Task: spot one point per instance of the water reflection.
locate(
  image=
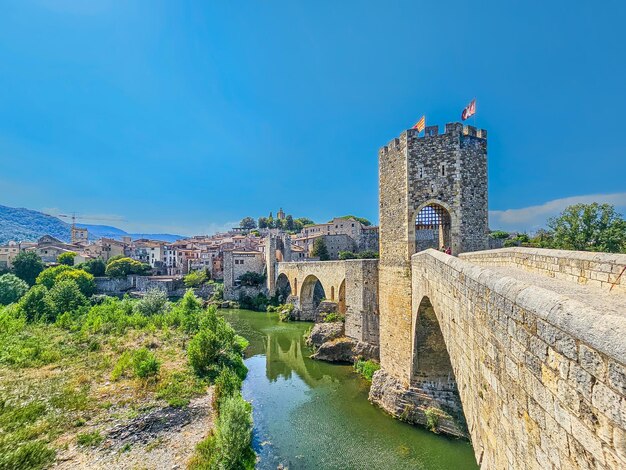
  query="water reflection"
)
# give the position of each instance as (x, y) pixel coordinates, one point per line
(313, 415)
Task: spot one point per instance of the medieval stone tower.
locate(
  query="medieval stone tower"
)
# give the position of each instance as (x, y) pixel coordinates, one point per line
(277, 249)
(433, 194)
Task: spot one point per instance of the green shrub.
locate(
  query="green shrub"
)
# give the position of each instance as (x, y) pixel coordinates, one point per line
(145, 363)
(227, 384)
(152, 303)
(91, 439)
(432, 418)
(229, 446)
(203, 351)
(36, 305)
(334, 317)
(12, 288)
(499, 234)
(65, 296)
(233, 433)
(122, 366)
(366, 368)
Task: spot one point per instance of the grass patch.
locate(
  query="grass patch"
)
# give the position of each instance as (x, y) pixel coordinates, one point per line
(177, 388)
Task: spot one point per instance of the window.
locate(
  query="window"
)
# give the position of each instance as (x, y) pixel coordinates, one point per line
(443, 169)
(420, 172)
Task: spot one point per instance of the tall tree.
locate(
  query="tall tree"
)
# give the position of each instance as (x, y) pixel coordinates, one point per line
(289, 224)
(320, 250)
(27, 265)
(247, 223)
(262, 222)
(589, 227)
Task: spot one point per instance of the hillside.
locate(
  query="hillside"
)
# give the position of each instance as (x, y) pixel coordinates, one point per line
(21, 224)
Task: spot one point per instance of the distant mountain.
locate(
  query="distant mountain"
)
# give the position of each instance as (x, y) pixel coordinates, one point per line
(27, 225)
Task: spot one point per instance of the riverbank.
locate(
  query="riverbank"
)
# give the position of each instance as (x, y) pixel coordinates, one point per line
(116, 383)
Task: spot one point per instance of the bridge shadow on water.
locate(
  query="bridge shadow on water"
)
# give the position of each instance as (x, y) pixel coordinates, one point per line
(314, 415)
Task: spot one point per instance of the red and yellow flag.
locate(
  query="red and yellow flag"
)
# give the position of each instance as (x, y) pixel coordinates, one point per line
(421, 124)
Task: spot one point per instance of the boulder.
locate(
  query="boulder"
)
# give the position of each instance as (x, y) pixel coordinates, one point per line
(323, 332)
(336, 350)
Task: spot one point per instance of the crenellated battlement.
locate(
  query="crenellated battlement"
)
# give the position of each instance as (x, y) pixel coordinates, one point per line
(451, 128)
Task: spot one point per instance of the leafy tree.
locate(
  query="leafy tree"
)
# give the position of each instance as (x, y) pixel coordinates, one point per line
(542, 239)
(302, 222)
(289, 223)
(499, 234)
(262, 222)
(67, 258)
(65, 296)
(12, 288)
(270, 222)
(124, 266)
(115, 258)
(252, 279)
(27, 265)
(247, 223)
(589, 227)
(83, 279)
(97, 266)
(320, 250)
(49, 276)
(35, 304)
(359, 219)
(196, 278)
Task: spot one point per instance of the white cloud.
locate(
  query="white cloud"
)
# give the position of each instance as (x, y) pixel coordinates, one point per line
(535, 217)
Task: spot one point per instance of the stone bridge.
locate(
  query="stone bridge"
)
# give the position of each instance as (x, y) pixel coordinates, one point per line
(351, 285)
(524, 350)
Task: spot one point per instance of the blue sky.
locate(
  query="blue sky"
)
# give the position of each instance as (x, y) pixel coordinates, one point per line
(186, 116)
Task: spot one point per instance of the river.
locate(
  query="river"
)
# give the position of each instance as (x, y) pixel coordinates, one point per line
(315, 415)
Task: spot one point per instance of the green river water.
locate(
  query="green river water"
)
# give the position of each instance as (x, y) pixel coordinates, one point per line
(315, 415)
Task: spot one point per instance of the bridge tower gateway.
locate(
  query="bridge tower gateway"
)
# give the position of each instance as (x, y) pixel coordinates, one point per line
(433, 194)
(277, 250)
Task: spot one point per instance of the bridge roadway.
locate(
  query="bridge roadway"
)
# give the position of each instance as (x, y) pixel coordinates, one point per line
(611, 303)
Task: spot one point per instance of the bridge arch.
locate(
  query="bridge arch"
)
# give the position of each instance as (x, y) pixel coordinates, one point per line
(283, 287)
(312, 293)
(431, 360)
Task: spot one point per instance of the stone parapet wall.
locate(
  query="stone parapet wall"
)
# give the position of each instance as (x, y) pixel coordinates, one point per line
(603, 270)
(542, 378)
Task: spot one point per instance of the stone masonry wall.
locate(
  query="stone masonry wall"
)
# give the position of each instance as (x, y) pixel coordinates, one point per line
(542, 380)
(362, 319)
(604, 270)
